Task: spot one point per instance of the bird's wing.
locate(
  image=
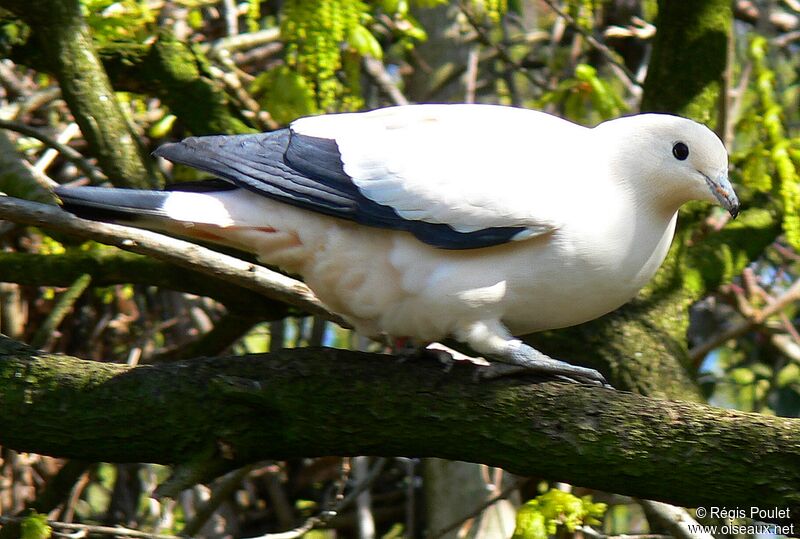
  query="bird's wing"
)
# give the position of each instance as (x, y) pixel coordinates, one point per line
(456, 177)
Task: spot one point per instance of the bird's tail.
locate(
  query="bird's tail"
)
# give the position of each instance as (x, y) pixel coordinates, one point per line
(130, 206)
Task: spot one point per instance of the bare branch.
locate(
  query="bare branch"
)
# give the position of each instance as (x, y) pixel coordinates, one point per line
(607, 53)
(377, 72)
(676, 520)
(69, 154)
(319, 520)
(84, 529)
(739, 328)
(62, 308)
(505, 493)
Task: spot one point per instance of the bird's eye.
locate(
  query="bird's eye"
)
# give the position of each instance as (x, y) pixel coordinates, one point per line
(680, 151)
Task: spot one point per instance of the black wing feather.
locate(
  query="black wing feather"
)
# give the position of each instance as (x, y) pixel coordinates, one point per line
(308, 172)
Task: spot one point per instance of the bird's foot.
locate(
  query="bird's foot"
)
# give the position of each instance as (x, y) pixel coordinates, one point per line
(491, 337)
(522, 358)
(502, 370)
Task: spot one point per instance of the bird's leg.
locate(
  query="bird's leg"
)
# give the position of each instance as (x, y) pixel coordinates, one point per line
(493, 339)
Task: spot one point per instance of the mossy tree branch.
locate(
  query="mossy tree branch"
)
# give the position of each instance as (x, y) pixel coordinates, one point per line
(64, 38)
(174, 71)
(225, 412)
(110, 267)
(689, 58)
(179, 75)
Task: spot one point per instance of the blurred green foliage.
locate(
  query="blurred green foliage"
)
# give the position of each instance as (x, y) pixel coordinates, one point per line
(555, 511)
(770, 160)
(116, 20)
(34, 526)
(318, 34)
(586, 97)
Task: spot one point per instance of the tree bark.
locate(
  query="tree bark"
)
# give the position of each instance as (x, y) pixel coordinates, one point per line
(178, 74)
(67, 46)
(220, 413)
(689, 58)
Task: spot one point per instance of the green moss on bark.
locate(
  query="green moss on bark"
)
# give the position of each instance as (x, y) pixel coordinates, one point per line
(63, 36)
(221, 413)
(177, 73)
(689, 58)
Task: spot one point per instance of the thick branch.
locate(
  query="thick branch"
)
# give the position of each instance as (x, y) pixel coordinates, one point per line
(173, 70)
(311, 402)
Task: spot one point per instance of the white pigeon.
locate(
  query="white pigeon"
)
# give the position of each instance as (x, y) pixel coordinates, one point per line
(477, 222)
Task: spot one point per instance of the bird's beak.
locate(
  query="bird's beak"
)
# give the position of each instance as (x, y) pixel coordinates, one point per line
(723, 191)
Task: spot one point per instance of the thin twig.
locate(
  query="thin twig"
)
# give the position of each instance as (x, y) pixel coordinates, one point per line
(35, 101)
(69, 132)
(365, 519)
(676, 520)
(505, 493)
(243, 41)
(181, 253)
(231, 79)
(791, 295)
(471, 75)
(11, 82)
(69, 154)
(86, 528)
(502, 51)
(227, 330)
(231, 12)
(223, 490)
(607, 53)
(325, 516)
(377, 72)
(63, 306)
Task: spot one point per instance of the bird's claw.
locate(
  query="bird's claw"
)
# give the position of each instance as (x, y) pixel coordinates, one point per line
(528, 359)
(581, 376)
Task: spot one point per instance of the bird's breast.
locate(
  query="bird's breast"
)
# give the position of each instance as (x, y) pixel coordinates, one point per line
(586, 272)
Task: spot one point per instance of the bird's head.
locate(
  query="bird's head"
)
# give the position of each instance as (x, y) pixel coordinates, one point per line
(672, 159)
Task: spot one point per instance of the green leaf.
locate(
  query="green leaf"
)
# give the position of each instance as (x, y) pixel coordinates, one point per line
(364, 43)
(34, 526)
(742, 376)
(788, 375)
(530, 523)
(162, 127)
(390, 6)
(755, 171)
(556, 510)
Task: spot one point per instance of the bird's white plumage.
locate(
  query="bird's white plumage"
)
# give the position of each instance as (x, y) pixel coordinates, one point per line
(603, 199)
(599, 206)
(449, 163)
